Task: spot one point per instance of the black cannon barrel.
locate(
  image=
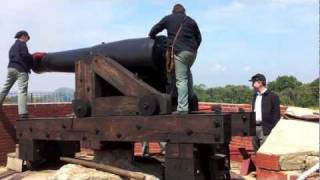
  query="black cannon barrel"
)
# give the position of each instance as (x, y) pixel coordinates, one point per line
(135, 54)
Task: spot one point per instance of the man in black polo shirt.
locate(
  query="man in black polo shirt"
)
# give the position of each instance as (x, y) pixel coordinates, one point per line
(20, 63)
(266, 106)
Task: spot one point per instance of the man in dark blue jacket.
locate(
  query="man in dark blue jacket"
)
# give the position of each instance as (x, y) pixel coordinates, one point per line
(185, 46)
(20, 63)
(266, 106)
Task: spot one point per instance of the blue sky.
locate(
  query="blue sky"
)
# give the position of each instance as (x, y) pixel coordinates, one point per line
(240, 37)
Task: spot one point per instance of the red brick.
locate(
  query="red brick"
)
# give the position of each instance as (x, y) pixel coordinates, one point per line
(205, 108)
(138, 149)
(154, 148)
(263, 174)
(266, 161)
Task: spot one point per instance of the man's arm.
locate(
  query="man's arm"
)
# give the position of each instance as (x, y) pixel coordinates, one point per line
(24, 52)
(198, 35)
(253, 101)
(158, 28)
(276, 109)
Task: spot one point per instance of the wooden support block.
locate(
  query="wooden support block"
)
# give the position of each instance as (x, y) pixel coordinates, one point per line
(84, 79)
(179, 163)
(116, 105)
(28, 150)
(243, 124)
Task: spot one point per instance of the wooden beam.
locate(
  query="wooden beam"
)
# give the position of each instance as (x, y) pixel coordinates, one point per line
(115, 105)
(206, 128)
(83, 76)
(121, 78)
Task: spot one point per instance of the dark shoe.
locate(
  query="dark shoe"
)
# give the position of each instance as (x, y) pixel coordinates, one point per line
(180, 112)
(23, 116)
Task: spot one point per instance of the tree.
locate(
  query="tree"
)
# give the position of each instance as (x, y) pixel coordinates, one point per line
(284, 82)
(288, 96)
(291, 92)
(200, 91)
(227, 94)
(308, 94)
(63, 94)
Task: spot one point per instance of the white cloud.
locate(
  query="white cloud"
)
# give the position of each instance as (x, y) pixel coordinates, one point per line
(293, 2)
(227, 11)
(278, 2)
(218, 68)
(247, 68)
(263, 16)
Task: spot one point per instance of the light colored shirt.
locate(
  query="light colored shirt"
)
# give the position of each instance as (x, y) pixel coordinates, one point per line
(258, 106)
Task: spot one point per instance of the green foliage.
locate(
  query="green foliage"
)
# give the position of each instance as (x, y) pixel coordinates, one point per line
(291, 92)
(201, 92)
(227, 94)
(284, 82)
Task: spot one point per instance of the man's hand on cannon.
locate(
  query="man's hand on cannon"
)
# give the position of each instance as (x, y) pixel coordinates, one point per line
(38, 55)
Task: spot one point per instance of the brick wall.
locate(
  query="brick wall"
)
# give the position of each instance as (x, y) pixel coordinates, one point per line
(9, 114)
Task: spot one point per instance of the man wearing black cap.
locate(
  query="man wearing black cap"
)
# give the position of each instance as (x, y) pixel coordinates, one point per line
(266, 106)
(20, 63)
(184, 37)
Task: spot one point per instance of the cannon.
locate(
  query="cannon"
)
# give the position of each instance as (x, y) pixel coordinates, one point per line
(143, 57)
(143, 61)
(138, 55)
(123, 95)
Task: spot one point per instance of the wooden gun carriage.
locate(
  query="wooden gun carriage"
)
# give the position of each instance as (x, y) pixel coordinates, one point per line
(123, 96)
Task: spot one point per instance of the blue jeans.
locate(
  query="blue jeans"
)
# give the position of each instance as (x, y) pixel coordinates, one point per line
(12, 77)
(184, 82)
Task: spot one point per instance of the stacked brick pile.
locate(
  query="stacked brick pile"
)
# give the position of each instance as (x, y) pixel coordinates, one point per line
(284, 167)
(291, 148)
(238, 142)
